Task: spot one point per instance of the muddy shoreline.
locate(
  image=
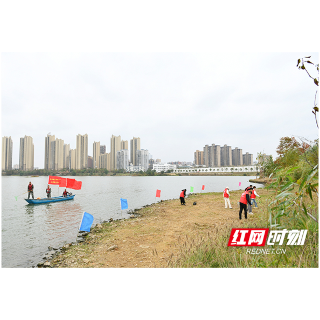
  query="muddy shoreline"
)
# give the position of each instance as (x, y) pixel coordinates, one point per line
(151, 236)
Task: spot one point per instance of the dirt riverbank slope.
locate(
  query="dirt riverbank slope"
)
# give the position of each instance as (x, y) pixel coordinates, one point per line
(150, 239)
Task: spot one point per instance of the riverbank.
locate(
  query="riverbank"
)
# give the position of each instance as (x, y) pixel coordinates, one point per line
(155, 234)
(264, 180)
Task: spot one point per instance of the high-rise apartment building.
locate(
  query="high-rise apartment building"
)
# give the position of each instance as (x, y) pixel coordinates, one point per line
(57, 153)
(134, 146)
(207, 156)
(115, 146)
(226, 156)
(216, 155)
(103, 149)
(82, 152)
(123, 159)
(237, 159)
(26, 155)
(124, 145)
(212, 156)
(247, 159)
(66, 156)
(142, 159)
(96, 155)
(90, 162)
(6, 153)
(48, 162)
(72, 157)
(198, 158)
(105, 161)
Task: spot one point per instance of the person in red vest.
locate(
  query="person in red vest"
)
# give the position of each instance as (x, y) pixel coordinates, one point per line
(182, 196)
(226, 198)
(244, 200)
(249, 203)
(30, 190)
(253, 197)
(65, 193)
(48, 191)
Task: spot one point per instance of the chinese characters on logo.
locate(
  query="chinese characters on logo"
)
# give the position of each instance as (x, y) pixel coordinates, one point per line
(257, 237)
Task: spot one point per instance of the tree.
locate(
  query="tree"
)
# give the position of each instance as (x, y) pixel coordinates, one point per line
(301, 66)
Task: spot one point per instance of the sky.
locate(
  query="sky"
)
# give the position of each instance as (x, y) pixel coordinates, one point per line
(176, 102)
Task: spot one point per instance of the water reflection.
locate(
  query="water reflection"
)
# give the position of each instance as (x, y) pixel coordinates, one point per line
(29, 209)
(63, 219)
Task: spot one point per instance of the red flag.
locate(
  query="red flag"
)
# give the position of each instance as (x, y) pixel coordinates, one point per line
(77, 185)
(70, 183)
(203, 187)
(158, 193)
(63, 182)
(54, 180)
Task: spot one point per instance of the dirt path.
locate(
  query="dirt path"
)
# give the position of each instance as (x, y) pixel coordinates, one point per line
(150, 239)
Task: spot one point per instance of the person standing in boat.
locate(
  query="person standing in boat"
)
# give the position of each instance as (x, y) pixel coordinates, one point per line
(48, 191)
(30, 190)
(65, 193)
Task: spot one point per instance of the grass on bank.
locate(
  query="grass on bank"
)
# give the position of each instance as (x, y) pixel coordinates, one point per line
(211, 250)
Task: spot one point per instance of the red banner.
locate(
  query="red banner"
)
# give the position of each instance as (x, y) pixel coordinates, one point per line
(77, 185)
(54, 180)
(158, 193)
(63, 182)
(70, 183)
(203, 187)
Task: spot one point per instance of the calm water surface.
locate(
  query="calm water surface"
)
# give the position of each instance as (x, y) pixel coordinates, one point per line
(28, 230)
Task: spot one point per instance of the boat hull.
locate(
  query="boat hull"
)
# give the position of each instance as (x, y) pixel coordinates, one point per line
(48, 200)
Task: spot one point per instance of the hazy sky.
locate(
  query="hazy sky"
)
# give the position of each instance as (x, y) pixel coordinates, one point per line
(175, 102)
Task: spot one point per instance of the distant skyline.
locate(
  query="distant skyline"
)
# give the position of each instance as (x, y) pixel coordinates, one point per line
(175, 102)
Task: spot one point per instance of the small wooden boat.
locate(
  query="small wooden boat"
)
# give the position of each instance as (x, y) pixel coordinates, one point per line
(47, 200)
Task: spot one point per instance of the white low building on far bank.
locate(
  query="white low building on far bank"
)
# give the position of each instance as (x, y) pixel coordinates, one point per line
(164, 167)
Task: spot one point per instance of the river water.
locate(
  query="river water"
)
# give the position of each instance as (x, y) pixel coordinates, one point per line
(28, 230)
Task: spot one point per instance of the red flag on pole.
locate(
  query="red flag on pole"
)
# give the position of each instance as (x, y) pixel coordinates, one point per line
(70, 183)
(77, 185)
(63, 182)
(203, 187)
(54, 180)
(158, 193)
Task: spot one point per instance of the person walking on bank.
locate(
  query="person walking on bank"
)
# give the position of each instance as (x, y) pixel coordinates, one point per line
(226, 198)
(48, 191)
(30, 190)
(253, 197)
(182, 196)
(244, 199)
(249, 202)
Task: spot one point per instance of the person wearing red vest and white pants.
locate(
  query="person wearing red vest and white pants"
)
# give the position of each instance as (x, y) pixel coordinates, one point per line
(253, 197)
(244, 199)
(226, 198)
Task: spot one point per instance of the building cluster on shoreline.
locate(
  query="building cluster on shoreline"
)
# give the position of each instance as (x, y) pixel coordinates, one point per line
(217, 156)
(58, 154)
(122, 155)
